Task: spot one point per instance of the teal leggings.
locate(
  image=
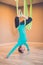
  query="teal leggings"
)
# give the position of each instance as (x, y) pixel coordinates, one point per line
(16, 46)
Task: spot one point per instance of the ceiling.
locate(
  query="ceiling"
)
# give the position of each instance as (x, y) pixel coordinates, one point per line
(13, 2)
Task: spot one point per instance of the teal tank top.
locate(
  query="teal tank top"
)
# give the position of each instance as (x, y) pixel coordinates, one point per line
(22, 33)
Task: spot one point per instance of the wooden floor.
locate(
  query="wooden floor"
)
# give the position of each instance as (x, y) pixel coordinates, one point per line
(34, 58)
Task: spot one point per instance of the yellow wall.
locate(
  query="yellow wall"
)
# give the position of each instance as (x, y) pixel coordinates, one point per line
(36, 33)
(8, 33)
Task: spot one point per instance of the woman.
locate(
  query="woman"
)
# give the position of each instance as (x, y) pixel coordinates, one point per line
(20, 25)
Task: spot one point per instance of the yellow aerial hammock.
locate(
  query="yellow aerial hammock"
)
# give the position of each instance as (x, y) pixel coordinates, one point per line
(26, 11)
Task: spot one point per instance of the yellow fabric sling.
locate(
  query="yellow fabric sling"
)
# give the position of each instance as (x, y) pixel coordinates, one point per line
(26, 13)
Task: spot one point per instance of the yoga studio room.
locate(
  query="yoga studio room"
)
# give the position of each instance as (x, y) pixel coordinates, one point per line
(21, 32)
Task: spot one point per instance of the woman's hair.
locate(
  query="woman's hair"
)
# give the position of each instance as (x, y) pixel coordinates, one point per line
(20, 50)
